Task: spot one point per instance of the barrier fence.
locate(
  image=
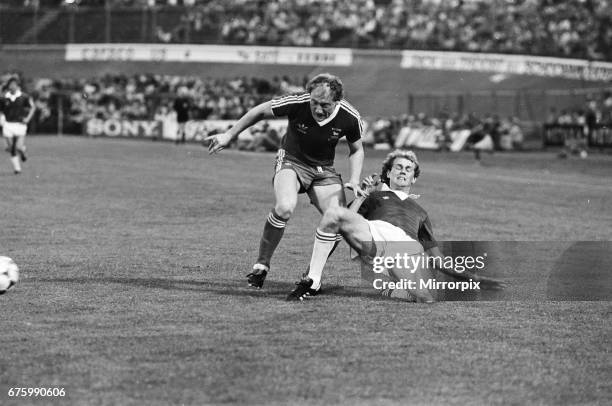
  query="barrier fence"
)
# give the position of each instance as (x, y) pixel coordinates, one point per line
(527, 105)
(59, 117)
(553, 135)
(598, 136)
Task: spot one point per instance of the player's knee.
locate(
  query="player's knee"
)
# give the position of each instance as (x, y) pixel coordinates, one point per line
(333, 216)
(285, 208)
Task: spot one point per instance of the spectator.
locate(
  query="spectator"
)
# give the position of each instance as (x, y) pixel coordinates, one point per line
(572, 28)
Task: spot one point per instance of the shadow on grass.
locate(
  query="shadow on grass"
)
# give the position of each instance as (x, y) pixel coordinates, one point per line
(223, 288)
(273, 289)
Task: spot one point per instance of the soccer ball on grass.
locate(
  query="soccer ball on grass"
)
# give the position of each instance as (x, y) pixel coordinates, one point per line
(9, 274)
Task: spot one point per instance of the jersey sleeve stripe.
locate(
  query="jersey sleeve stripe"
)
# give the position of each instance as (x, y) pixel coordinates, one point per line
(291, 99)
(352, 111)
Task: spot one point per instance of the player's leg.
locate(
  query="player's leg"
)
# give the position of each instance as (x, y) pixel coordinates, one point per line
(325, 195)
(15, 160)
(336, 220)
(21, 148)
(8, 131)
(179, 133)
(286, 188)
(183, 132)
(352, 226)
(417, 293)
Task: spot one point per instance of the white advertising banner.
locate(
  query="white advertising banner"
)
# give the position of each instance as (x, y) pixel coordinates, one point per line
(196, 130)
(423, 137)
(124, 128)
(209, 53)
(509, 64)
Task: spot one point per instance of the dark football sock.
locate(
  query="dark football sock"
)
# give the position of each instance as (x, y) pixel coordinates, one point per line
(272, 234)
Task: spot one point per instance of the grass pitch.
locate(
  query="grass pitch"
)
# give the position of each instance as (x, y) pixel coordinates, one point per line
(133, 255)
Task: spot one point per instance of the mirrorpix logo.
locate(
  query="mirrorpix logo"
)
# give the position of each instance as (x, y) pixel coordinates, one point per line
(412, 271)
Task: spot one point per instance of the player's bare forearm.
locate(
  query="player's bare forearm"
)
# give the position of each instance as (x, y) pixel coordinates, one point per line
(251, 117)
(356, 203)
(31, 112)
(356, 157)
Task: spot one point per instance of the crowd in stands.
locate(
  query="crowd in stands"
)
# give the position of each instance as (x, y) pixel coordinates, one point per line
(444, 128)
(150, 97)
(597, 110)
(568, 28)
(144, 96)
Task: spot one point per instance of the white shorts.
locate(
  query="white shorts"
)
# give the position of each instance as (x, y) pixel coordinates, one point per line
(12, 129)
(390, 239)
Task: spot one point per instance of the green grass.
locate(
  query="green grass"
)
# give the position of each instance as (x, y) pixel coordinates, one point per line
(133, 255)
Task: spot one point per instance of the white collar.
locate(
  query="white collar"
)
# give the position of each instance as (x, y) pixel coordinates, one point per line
(402, 195)
(12, 96)
(331, 116)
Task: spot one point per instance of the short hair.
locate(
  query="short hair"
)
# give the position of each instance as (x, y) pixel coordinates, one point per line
(334, 83)
(399, 153)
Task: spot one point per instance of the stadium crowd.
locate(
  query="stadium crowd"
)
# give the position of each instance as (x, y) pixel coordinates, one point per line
(395, 132)
(150, 97)
(568, 28)
(595, 111)
(145, 96)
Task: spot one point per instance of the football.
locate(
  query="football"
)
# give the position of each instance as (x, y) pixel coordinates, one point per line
(9, 274)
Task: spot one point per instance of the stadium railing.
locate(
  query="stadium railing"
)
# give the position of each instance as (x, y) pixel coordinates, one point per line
(559, 135)
(528, 105)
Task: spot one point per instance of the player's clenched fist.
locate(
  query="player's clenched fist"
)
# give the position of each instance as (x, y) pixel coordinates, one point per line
(371, 183)
(218, 142)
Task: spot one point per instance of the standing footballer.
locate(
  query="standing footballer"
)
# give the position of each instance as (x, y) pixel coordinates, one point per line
(182, 105)
(317, 119)
(17, 109)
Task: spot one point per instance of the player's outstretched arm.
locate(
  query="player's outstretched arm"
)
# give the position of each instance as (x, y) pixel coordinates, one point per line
(356, 156)
(27, 119)
(257, 113)
(485, 282)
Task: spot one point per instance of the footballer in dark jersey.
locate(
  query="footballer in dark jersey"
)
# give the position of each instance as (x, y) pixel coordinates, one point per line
(378, 225)
(317, 120)
(16, 111)
(182, 106)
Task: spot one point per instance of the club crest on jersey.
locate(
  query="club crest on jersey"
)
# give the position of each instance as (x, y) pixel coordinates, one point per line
(336, 131)
(302, 128)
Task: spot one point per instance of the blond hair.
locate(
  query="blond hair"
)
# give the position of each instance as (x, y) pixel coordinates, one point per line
(399, 153)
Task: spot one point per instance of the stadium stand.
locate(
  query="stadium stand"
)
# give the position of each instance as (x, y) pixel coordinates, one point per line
(143, 96)
(573, 28)
(149, 97)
